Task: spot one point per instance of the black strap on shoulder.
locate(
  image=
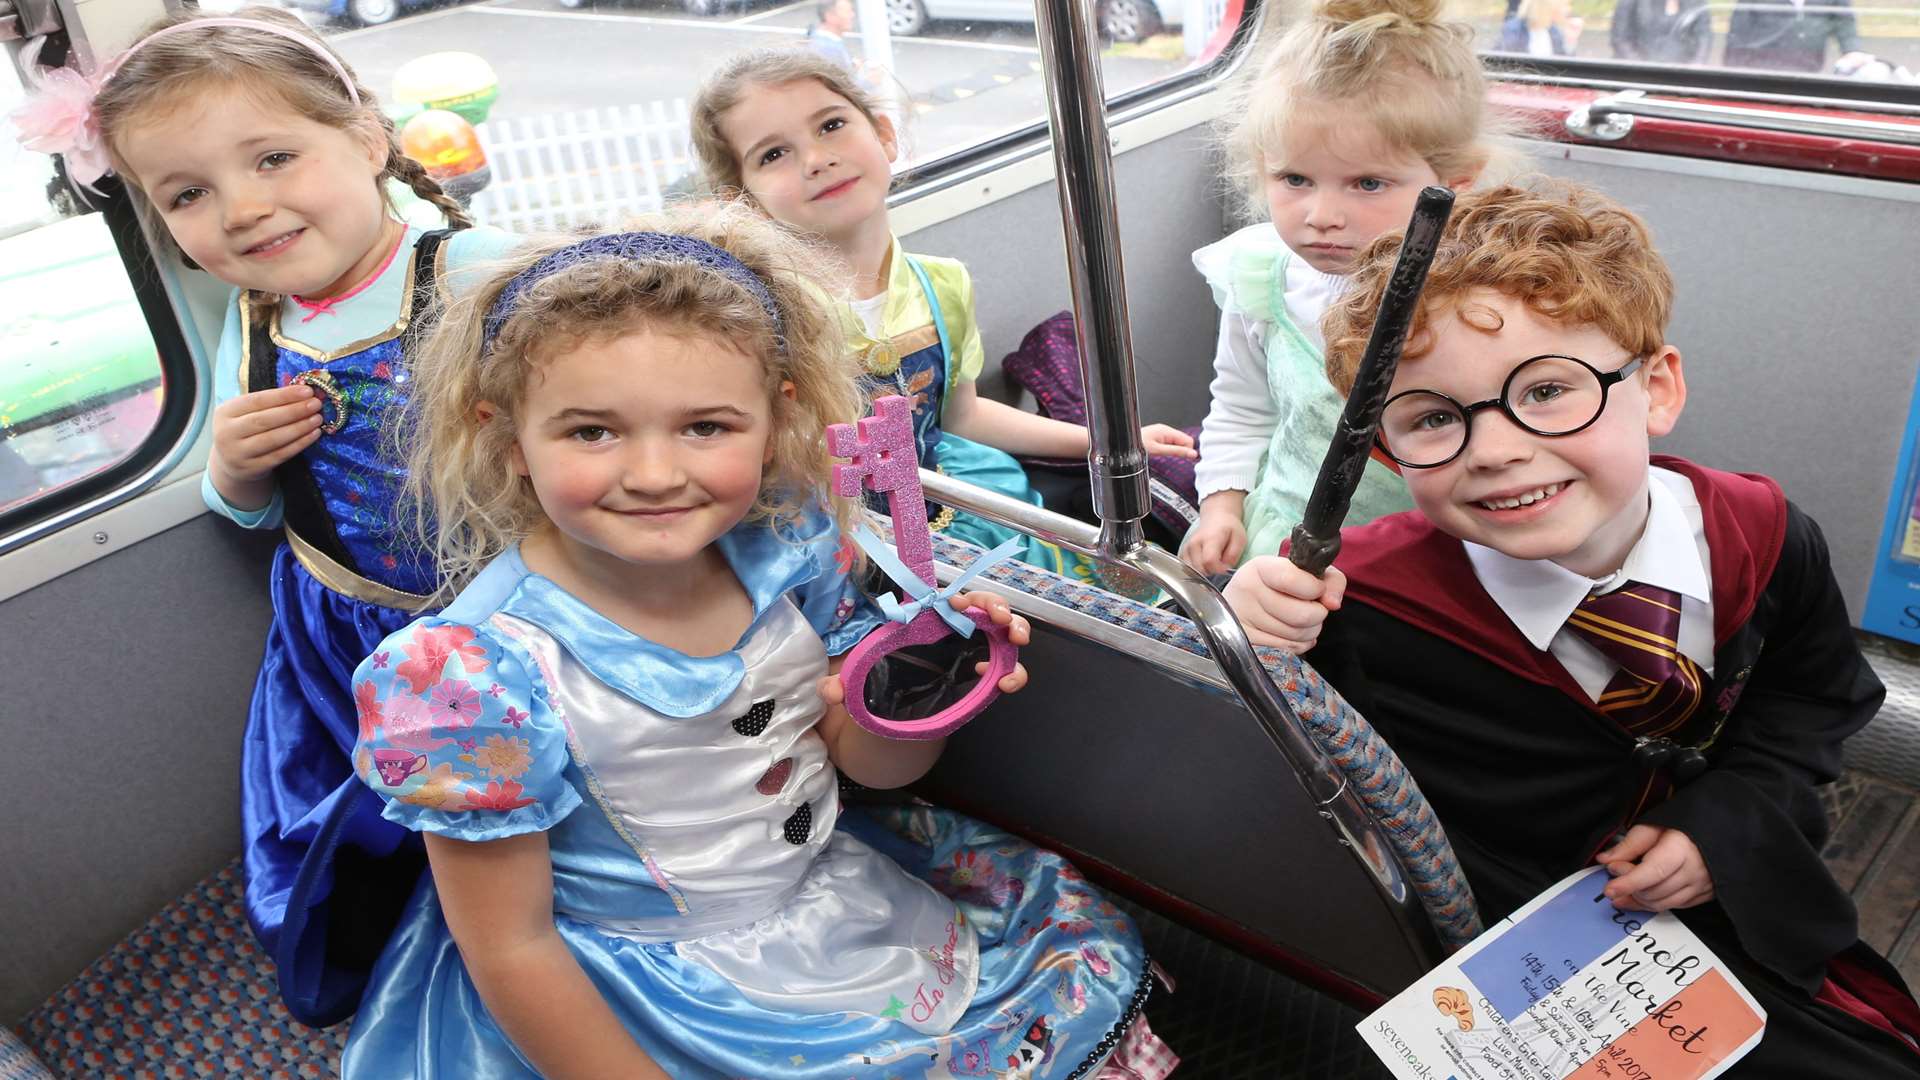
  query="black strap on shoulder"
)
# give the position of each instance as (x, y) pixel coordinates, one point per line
(305, 507)
(426, 284)
(258, 362)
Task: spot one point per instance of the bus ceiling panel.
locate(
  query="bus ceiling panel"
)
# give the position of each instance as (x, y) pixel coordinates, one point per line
(1868, 139)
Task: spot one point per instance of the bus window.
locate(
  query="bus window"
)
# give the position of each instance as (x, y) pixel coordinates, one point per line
(81, 386)
(581, 105)
(1870, 40)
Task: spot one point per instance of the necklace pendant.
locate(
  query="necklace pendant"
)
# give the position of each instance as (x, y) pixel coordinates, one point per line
(880, 358)
(333, 400)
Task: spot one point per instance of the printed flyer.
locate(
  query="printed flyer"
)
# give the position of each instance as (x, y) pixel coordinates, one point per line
(1570, 986)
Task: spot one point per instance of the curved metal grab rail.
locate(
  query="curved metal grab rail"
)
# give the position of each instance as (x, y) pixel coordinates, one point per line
(1083, 166)
(1117, 460)
(1227, 643)
(1610, 118)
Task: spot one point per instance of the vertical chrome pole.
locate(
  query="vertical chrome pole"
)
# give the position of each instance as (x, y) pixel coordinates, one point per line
(1083, 165)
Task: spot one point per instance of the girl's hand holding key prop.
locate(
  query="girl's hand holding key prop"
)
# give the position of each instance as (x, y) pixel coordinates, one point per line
(881, 456)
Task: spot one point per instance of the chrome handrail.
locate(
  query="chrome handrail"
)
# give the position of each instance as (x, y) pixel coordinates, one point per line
(1530, 78)
(1083, 166)
(1231, 651)
(1622, 107)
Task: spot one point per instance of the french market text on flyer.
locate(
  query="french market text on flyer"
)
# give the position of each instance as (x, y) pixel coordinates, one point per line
(1570, 986)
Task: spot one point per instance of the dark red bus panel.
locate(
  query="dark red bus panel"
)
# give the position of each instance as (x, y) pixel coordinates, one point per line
(1542, 112)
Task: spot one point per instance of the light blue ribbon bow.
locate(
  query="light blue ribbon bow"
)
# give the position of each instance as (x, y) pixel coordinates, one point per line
(926, 597)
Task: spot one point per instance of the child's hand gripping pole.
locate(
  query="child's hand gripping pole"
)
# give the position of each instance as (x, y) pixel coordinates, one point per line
(1316, 540)
(882, 455)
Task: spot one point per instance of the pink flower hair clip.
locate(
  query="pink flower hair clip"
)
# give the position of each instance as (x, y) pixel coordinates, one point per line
(58, 118)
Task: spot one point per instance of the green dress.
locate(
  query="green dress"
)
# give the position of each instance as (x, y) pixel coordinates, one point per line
(1251, 279)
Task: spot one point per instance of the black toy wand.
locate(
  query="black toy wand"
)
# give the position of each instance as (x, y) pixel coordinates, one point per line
(1316, 540)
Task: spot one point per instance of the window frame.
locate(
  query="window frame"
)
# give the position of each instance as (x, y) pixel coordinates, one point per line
(1550, 99)
(941, 172)
(182, 385)
(1731, 83)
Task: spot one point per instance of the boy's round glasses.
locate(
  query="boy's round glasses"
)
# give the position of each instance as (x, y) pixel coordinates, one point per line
(1546, 395)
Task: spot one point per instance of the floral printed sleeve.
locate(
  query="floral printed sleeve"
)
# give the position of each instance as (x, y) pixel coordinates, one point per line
(457, 736)
(833, 605)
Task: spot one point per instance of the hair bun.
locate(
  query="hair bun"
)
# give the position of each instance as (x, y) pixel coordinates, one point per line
(1381, 13)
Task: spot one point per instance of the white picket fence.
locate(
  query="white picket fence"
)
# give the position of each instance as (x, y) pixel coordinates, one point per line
(1202, 19)
(596, 166)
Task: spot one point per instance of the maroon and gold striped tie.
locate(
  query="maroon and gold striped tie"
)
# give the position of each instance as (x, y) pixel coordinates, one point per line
(1637, 626)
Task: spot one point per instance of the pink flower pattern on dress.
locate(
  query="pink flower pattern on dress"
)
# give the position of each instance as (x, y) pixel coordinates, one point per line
(367, 704)
(973, 876)
(410, 724)
(454, 704)
(429, 649)
(500, 795)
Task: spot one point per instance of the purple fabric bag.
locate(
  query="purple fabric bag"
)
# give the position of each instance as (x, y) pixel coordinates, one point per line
(1047, 365)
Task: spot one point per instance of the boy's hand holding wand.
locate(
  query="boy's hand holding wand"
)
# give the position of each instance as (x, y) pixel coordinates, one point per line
(1282, 603)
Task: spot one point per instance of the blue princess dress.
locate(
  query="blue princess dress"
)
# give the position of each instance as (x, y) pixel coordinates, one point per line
(698, 876)
(325, 875)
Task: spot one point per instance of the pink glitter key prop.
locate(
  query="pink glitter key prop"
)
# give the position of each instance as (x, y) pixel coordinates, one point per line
(882, 455)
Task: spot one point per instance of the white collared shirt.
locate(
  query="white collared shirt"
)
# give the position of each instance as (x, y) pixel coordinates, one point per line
(1539, 595)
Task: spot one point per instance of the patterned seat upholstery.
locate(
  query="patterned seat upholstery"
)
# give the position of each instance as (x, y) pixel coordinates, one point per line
(190, 994)
(1371, 767)
(17, 1062)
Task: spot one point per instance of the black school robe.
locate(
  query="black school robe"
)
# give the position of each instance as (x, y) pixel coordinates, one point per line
(1530, 779)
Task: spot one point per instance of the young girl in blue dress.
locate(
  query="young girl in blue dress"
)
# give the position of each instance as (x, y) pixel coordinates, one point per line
(254, 148)
(622, 737)
(800, 138)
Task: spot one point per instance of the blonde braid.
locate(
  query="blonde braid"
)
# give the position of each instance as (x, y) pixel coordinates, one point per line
(415, 176)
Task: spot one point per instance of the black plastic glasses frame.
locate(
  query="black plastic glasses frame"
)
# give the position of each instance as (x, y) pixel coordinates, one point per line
(1606, 379)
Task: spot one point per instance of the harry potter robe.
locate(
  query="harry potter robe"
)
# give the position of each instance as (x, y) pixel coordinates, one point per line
(1531, 779)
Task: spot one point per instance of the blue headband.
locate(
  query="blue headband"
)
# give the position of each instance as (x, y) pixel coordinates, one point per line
(633, 247)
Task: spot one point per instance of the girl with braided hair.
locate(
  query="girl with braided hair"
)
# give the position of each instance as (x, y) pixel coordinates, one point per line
(253, 150)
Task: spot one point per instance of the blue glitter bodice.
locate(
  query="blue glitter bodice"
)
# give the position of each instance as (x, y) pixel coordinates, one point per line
(355, 468)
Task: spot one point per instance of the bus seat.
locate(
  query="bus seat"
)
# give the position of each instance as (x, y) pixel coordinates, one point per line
(16, 1061)
(1113, 756)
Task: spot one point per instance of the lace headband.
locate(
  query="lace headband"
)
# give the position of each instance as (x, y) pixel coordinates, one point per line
(58, 115)
(632, 247)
